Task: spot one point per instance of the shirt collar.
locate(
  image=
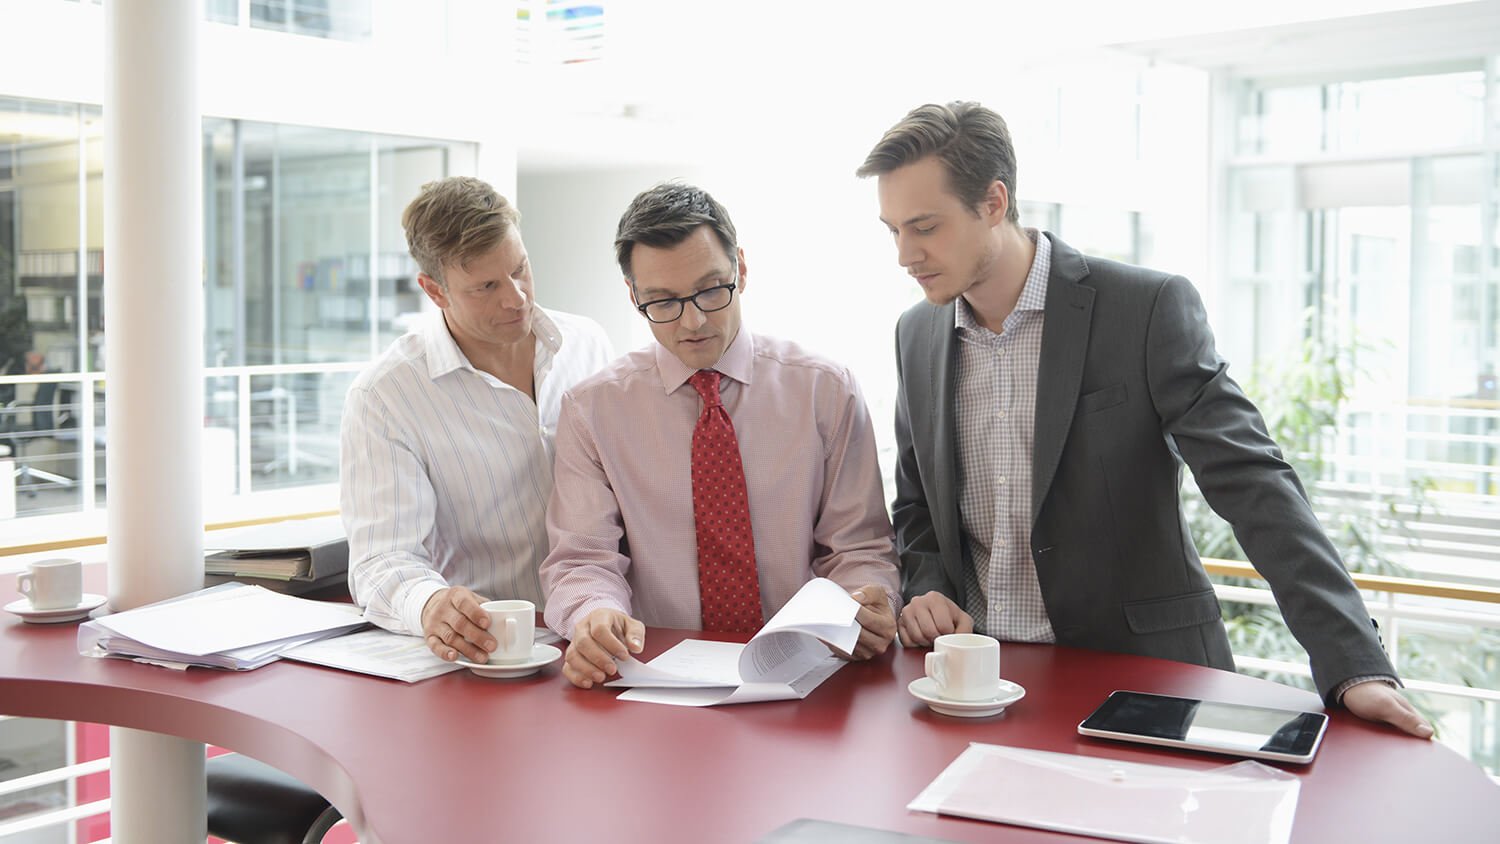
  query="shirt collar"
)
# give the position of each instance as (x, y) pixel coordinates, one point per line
(737, 362)
(444, 355)
(1033, 293)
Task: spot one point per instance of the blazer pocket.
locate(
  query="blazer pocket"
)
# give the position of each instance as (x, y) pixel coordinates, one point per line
(1100, 399)
(1173, 613)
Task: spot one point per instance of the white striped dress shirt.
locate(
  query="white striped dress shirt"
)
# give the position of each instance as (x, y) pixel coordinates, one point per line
(446, 470)
(996, 421)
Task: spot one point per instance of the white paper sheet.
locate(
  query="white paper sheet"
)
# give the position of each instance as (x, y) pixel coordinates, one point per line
(1243, 803)
(218, 620)
(377, 652)
(786, 660)
(661, 680)
(180, 631)
(291, 534)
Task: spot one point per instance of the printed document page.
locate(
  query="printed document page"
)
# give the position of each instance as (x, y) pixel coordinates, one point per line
(786, 660)
(377, 652)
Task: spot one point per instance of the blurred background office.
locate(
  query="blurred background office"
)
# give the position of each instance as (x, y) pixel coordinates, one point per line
(1326, 171)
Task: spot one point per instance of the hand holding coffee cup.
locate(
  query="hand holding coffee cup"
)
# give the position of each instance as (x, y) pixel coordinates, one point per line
(52, 584)
(965, 667)
(513, 624)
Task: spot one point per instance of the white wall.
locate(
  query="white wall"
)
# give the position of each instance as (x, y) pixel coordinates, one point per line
(568, 219)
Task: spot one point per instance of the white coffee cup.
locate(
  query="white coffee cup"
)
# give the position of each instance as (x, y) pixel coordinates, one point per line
(965, 666)
(52, 584)
(513, 624)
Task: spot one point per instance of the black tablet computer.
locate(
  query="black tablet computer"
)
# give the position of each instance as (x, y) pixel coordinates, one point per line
(1259, 732)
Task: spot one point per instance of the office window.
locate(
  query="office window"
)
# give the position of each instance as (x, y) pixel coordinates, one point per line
(305, 277)
(308, 220)
(1375, 233)
(343, 20)
(44, 306)
(1363, 116)
(221, 11)
(402, 167)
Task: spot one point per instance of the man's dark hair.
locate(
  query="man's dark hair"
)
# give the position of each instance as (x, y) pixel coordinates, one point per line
(663, 216)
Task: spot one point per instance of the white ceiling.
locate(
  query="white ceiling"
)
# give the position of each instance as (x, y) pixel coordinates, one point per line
(682, 75)
(1435, 37)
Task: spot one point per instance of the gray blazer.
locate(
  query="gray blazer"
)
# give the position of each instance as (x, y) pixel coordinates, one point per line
(1129, 387)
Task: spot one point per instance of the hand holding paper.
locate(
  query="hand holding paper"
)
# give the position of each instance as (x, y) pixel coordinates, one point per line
(786, 660)
(876, 619)
(602, 637)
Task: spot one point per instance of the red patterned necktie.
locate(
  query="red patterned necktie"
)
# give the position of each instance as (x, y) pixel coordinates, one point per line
(727, 580)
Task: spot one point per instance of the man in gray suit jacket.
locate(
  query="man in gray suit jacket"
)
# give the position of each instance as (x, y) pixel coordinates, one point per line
(1047, 403)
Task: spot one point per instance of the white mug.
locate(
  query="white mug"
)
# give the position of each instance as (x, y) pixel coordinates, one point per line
(513, 624)
(965, 666)
(52, 584)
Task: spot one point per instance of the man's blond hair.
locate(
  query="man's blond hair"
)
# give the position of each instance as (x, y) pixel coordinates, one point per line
(455, 220)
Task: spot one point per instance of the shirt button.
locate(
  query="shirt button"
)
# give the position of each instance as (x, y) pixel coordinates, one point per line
(1001, 481)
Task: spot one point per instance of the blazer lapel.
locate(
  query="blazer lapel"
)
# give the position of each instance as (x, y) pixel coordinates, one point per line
(1065, 342)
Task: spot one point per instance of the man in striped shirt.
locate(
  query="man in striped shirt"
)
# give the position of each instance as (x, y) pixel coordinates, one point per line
(447, 438)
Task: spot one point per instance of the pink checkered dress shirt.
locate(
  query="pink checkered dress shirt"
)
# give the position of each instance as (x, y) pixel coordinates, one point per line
(621, 516)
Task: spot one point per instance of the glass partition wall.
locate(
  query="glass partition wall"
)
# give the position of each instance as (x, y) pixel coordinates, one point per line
(1360, 224)
(305, 277)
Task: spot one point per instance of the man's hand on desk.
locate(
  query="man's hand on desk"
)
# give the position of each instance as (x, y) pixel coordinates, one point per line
(1376, 701)
(876, 619)
(929, 616)
(602, 637)
(454, 625)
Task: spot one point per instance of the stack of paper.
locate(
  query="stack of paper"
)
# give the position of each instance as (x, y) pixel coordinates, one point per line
(229, 626)
(786, 660)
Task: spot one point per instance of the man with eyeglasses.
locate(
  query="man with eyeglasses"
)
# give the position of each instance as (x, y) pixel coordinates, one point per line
(701, 481)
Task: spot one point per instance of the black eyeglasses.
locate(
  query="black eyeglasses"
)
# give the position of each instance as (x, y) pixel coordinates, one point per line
(707, 301)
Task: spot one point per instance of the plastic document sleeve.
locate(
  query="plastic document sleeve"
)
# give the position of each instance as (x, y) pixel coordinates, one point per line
(1243, 803)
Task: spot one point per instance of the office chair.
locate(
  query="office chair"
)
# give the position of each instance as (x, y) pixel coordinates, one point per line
(44, 414)
(250, 802)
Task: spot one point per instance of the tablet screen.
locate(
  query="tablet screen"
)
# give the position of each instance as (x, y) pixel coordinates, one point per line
(1208, 725)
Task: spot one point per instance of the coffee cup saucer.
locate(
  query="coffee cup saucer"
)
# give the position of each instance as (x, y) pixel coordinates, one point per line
(925, 689)
(541, 656)
(55, 615)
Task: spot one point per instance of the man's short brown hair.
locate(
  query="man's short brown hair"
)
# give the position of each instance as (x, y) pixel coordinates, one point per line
(455, 220)
(972, 142)
(663, 216)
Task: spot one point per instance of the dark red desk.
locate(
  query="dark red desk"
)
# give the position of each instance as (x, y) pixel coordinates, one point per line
(423, 763)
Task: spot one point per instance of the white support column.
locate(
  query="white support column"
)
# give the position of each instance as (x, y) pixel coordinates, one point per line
(153, 307)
